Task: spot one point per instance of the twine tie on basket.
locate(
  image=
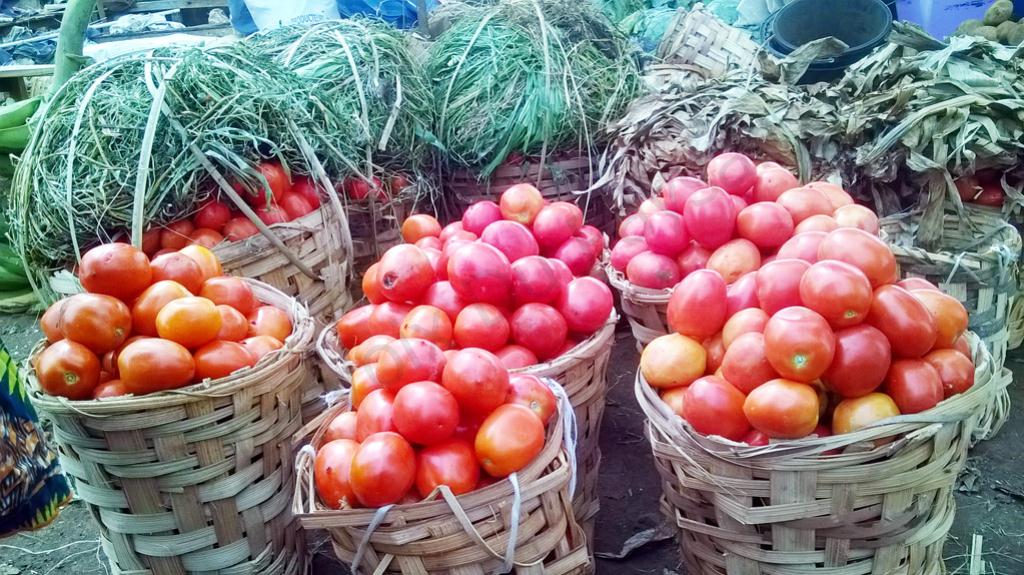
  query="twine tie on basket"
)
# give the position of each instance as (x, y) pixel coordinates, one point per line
(303, 472)
(378, 518)
(569, 431)
(332, 397)
(513, 535)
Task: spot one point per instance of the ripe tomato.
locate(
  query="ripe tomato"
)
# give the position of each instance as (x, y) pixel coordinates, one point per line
(260, 346)
(783, 409)
(778, 284)
(376, 413)
(443, 296)
(539, 328)
(715, 350)
(364, 382)
(68, 369)
(674, 398)
(712, 406)
(750, 320)
(631, 226)
(212, 215)
(963, 346)
(802, 203)
(672, 360)
(733, 172)
(735, 258)
(429, 242)
(861, 250)
(742, 293)
(49, 323)
(913, 283)
(802, 247)
(799, 344)
(480, 273)
(452, 463)
(179, 268)
(207, 261)
(175, 235)
(710, 219)
(295, 206)
(343, 426)
(232, 291)
(233, 325)
(276, 179)
(152, 364)
(578, 254)
(219, 359)
(676, 191)
(425, 413)
(697, 307)
(521, 203)
(239, 228)
(949, 315)
(429, 323)
(405, 273)
(595, 238)
(530, 391)
(387, 318)
(371, 285)
(836, 195)
(956, 370)
(269, 320)
(481, 325)
(477, 379)
(854, 216)
(904, 320)
(511, 238)
(369, 351)
(480, 215)
(857, 413)
(332, 473)
(653, 271)
(508, 440)
(665, 233)
(190, 321)
(772, 183)
(767, 224)
(151, 241)
(99, 322)
(534, 279)
(514, 356)
(404, 361)
(117, 270)
(450, 230)
(914, 385)
(554, 224)
(358, 188)
(205, 237)
(109, 388)
(745, 364)
(586, 304)
(817, 223)
(838, 291)
(419, 226)
(354, 327)
(756, 438)
(383, 469)
(860, 363)
(692, 259)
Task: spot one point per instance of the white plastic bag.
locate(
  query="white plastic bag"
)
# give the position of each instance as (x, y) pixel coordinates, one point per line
(272, 13)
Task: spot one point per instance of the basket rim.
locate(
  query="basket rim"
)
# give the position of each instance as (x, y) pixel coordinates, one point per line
(1002, 233)
(633, 292)
(298, 343)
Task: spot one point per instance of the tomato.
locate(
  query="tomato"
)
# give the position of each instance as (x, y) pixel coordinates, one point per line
(419, 226)
(212, 215)
(651, 206)
(745, 364)
(508, 440)
(755, 438)
(712, 406)
(332, 472)
(189, 321)
(653, 271)
(949, 315)
(376, 413)
(425, 413)
(68, 369)
(233, 325)
(555, 223)
(206, 259)
(175, 235)
(672, 360)
(913, 283)
(514, 356)
(904, 320)
(404, 361)
(295, 206)
(838, 291)
(49, 323)
(109, 388)
(799, 344)
(750, 320)
(450, 230)
(772, 183)
(481, 325)
(480, 215)
(521, 203)
(99, 322)
(594, 237)
(530, 391)
(354, 327)
(387, 318)
(179, 268)
(534, 279)
(117, 270)
(152, 364)
(481, 273)
(836, 195)
(343, 426)
(742, 293)
(219, 359)
(992, 195)
(783, 409)
(857, 413)
(429, 323)
(914, 385)
(231, 291)
(151, 241)
(861, 250)
(239, 228)
(674, 398)
(260, 346)
(578, 254)
(692, 259)
(956, 370)
(443, 296)
(802, 203)
(364, 382)
(854, 216)
(861, 361)
(710, 219)
(206, 237)
(369, 351)
(405, 273)
(539, 328)
(733, 172)
(802, 247)
(676, 191)
(817, 223)
(778, 284)
(735, 258)
(305, 187)
(383, 469)
(715, 353)
(477, 379)
(631, 226)
(767, 224)
(452, 463)
(359, 188)
(586, 304)
(149, 304)
(665, 233)
(511, 238)
(371, 285)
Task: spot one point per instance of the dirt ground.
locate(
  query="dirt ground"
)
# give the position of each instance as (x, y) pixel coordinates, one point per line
(990, 502)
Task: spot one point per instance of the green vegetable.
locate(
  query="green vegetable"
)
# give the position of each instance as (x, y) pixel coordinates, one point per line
(988, 33)
(14, 139)
(18, 113)
(998, 13)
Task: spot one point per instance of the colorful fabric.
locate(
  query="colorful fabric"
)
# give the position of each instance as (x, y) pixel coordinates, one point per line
(32, 488)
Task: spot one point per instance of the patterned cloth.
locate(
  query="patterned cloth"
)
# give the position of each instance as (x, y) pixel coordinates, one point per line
(32, 488)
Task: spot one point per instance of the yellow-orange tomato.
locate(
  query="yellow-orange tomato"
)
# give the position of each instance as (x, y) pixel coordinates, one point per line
(368, 351)
(950, 316)
(230, 291)
(261, 345)
(673, 398)
(860, 412)
(420, 226)
(153, 364)
(371, 285)
(364, 382)
(673, 360)
(190, 321)
(269, 320)
(508, 439)
(99, 322)
(233, 325)
(50, 322)
(68, 369)
(219, 359)
(207, 261)
(150, 303)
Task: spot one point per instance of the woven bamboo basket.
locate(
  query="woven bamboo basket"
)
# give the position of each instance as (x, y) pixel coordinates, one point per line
(1015, 336)
(787, 509)
(699, 41)
(644, 308)
(582, 372)
(376, 226)
(465, 534)
(194, 480)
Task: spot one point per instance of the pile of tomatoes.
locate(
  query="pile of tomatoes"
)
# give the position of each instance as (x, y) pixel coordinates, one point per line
(743, 217)
(434, 419)
(151, 325)
(510, 279)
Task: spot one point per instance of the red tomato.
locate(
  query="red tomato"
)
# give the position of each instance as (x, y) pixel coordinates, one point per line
(357, 188)
(179, 268)
(697, 307)
(452, 463)
(802, 203)
(676, 191)
(49, 323)
(963, 346)
(904, 320)
(857, 413)
(109, 388)
(914, 385)
(521, 203)
(802, 247)
(343, 426)
(534, 280)
(99, 322)
(772, 183)
(992, 195)
(376, 413)
(838, 291)
(480, 215)
(371, 285)
(799, 344)
(206, 237)
(429, 242)
(817, 223)
(477, 379)
(117, 270)
(854, 216)
(735, 258)
(387, 318)
(956, 370)
(745, 364)
(175, 235)
(296, 205)
(755, 438)
(778, 284)
(354, 327)
(631, 226)
(276, 179)
(715, 350)
(578, 254)
(269, 320)
(651, 206)
(692, 259)
(219, 359)
(405, 273)
(511, 238)
(369, 351)
(383, 469)
(653, 271)
(714, 407)
(364, 382)
(627, 248)
(508, 440)
(594, 237)
(429, 323)
(710, 219)
(665, 233)
(861, 250)
(272, 214)
(452, 229)
(861, 361)
(239, 228)
(783, 409)
(213, 215)
(425, 413)
(750, 320)
(404, 361)
(305, 187)
(539, 328)
(332, 473)
(151, 241)
(586, 304)
(767, 224)
(949, 314)
(672, 360)
(514, 356)
(151, 364)
(481, 273)
(530, 391)
(481, 325)
(835, 194)
(68, 369)
(733, 172)
(675, 399)
(555, 223)
(443, 296)
(913, 283)
(260, 346)
(742, 293)
(419, 226)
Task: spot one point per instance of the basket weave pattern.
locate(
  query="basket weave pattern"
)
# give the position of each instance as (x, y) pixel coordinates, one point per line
(646, 309)
(199, 479)
(375, 228)
(699, 40)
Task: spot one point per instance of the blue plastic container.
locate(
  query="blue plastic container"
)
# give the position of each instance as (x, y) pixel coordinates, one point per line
(941, 17)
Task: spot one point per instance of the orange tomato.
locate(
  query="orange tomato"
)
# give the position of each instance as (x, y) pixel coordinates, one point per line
(342, 426)
(50, 322)
(110, 388)
(190, 321)
(206, 259)
(174, 236)
(206, 237)
(68, 369)
(673, 398)
(783, 409)
(230, 291)
(429, 323)
(233, 325)
(179, 268)
(950, 316)
(509, 439)
(219, 359)
(371, 285)
(354, 327)
(260, 346)
(269, 320)
(860, 412)
(150, 303)
(369, 351)
(420, 226)
(331, 471)
(99, 322)
(673, 360)
(117, 270)
(153, 364)
(364, 382)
